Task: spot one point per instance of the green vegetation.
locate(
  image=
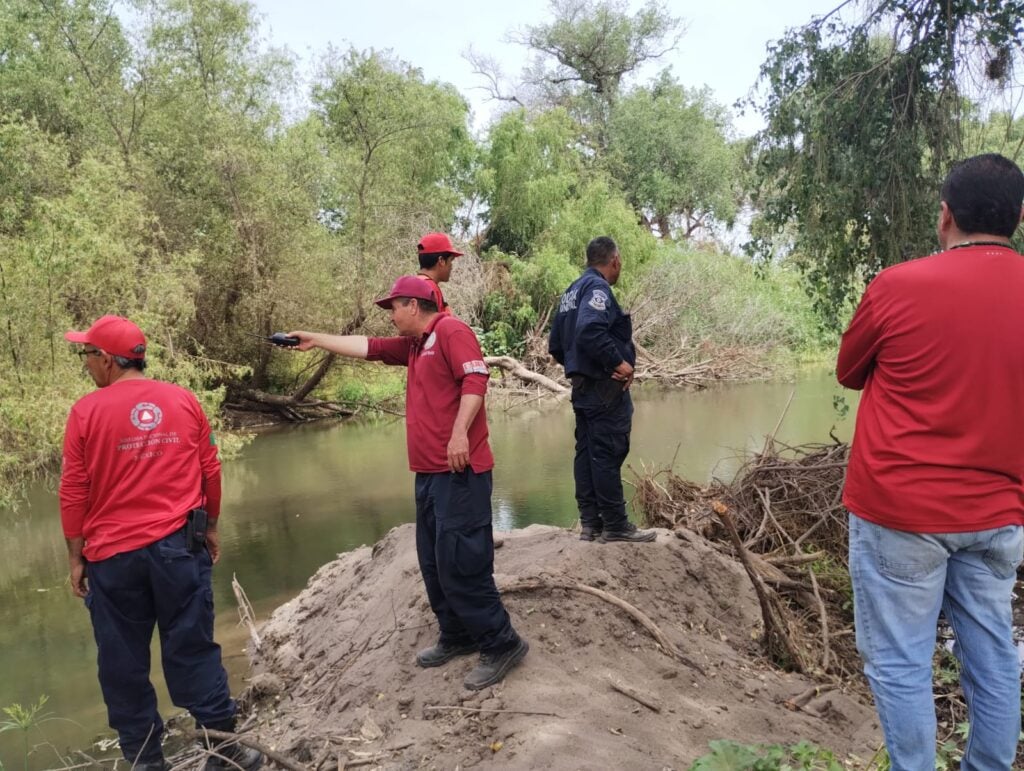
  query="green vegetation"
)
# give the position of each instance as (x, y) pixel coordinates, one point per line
(24, 719)
(166, 175)
(733, 756)
(863, 121)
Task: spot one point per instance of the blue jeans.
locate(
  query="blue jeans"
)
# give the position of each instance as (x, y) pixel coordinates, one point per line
(166, 586)
(900, 582)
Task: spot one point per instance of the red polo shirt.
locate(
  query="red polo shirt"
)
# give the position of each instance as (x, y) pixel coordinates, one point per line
(937, 344)
(137, 457)
(444, 363)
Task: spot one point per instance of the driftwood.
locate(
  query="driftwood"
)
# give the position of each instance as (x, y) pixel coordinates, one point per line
(516, 368)
(246, 615)
(296, 411)
(785, 505)
(459, 708)
(778, 640)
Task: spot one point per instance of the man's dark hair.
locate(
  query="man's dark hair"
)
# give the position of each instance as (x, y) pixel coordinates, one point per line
(984, 194)
(126, 363)
(600, 251)
(430, 260)
(427, 305)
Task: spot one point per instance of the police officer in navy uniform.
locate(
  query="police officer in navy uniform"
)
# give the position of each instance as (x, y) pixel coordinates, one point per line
(592, 338)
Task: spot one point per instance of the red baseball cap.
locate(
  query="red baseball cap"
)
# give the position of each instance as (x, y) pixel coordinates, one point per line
(115, 335)
(407, 286)
(437, 243)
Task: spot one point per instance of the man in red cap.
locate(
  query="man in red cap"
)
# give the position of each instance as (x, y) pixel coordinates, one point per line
(139, 499)
(446, 433)
(436, 258)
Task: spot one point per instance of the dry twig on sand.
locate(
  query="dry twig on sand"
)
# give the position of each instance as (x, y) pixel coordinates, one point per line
(526, 584)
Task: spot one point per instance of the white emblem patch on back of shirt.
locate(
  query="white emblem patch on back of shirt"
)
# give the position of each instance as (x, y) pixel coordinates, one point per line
(476, 366)
(598, 300)
(430, 341)
(146, 416)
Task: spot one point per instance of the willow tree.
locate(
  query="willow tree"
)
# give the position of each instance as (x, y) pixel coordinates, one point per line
(863, 120)
(400, 146)
(670, 152)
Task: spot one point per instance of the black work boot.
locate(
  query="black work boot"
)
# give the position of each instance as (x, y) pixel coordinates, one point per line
(494, 666)
(629, 533)
(228, 754)
(590, 534)
(442, 653)
(152, 765)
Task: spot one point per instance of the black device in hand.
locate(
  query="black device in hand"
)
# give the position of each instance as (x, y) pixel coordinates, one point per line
(195, 530)
(280, 338)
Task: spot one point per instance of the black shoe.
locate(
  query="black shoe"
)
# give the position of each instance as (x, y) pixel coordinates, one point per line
(628, 533)
(590, 534)
(231, 756)
(494, 666)
(442, 653)
(152, 765)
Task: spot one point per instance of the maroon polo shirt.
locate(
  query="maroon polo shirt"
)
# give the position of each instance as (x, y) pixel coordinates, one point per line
(937, 344)
(444, 363)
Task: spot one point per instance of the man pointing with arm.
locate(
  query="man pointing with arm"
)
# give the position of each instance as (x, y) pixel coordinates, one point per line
(446, 436)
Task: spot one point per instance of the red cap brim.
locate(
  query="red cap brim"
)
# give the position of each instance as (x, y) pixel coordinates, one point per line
(75, 337)
(384, 302)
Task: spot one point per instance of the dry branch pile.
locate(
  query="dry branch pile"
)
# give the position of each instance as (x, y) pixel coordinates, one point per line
(782, 516)
(791, 534)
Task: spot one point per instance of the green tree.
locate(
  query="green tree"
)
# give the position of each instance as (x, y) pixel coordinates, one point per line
(860, 130)
(530, 168)
(670, 152)
(64, 66)
(594, 44)
(401, 152)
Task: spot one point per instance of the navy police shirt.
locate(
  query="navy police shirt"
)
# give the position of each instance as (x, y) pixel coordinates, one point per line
(591, 335)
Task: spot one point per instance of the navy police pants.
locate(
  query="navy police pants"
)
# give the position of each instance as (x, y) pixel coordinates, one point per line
(455, 546)
(166, 586)
(604, 418)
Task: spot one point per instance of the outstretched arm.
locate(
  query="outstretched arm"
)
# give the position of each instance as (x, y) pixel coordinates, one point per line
(353, 346)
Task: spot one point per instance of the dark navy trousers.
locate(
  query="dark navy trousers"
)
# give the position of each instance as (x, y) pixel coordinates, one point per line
(166, 586)
(604, 419)
(455, 546)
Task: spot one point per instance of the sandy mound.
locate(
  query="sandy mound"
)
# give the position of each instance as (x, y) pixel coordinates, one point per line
(336, 681)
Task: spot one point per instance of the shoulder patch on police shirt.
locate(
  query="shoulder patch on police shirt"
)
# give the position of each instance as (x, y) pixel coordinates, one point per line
(476, 366)
(598, 300)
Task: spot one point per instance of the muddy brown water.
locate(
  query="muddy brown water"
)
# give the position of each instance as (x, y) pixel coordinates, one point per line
(297, 497)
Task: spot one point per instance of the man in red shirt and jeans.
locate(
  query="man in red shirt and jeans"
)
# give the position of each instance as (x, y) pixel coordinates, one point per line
(446, 435)
(935, 485)
(139, 459)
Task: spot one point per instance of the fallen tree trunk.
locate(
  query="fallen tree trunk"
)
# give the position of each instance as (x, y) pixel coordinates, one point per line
(515, 368)
(293, 409)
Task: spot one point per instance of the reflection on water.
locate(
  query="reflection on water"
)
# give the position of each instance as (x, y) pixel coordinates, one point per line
(298, 497)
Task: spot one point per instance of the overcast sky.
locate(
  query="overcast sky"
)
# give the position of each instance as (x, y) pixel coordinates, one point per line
(723, 46)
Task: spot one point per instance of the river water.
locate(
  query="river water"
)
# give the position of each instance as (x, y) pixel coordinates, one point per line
(298, 496)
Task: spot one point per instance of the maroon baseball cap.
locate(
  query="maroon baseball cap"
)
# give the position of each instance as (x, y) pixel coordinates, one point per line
(437, 243)
(115, 335)
(407, 286)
